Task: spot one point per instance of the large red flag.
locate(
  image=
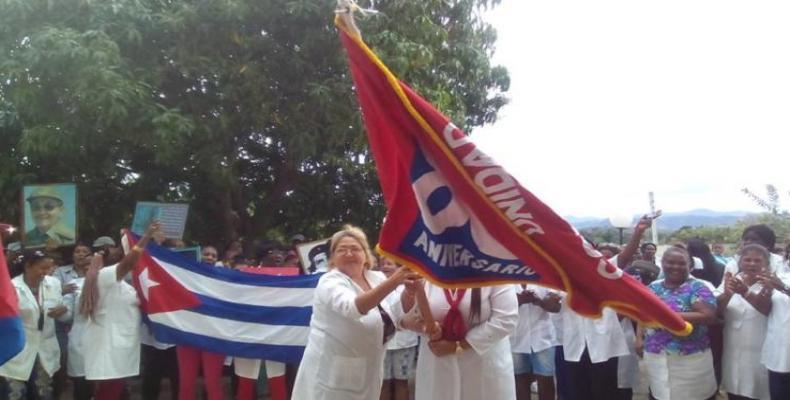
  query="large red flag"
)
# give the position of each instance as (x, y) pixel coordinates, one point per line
(461, 220)
(11, 332)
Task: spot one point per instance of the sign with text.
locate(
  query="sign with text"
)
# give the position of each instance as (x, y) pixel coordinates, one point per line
(173, 217)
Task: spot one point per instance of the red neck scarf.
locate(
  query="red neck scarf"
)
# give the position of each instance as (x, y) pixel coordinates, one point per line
(454, 325)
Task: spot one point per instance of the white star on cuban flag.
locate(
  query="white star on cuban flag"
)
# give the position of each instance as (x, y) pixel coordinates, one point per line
(222, 310)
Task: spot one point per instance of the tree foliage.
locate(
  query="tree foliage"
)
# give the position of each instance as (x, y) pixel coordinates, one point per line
(711, 234)
(771, 202)
(242, 108)
(732, 233)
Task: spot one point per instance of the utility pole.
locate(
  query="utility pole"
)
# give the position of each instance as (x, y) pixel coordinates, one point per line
(653, 226)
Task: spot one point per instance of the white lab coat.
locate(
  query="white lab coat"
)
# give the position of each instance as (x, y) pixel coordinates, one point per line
(535, 330)
(603, 337)
(75, 363)
(486, 370)
(628, 365)
(344, 358)
(113, 336)
(744, 334)
(776, 348)
(403, 339)
(42, 343)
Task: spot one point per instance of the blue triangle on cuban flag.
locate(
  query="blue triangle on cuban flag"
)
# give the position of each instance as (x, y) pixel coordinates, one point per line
(446, 237)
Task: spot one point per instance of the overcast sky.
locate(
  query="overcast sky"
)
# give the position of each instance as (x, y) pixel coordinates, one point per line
(612, 99)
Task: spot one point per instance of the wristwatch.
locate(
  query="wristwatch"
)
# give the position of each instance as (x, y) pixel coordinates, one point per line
(458, 348)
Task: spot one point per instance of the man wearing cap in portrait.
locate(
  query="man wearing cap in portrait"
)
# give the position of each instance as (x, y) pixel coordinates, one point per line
(46, 208)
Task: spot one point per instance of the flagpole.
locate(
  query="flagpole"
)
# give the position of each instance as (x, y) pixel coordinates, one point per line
(653, 226)
(345, 12)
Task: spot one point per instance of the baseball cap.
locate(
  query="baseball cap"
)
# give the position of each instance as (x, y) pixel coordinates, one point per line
(103, 241)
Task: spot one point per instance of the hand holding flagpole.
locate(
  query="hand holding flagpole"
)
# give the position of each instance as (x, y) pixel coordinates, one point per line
(427, 324)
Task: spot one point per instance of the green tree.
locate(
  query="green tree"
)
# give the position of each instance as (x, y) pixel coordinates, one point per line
(711, 234)
(242, 108)
(771, 201)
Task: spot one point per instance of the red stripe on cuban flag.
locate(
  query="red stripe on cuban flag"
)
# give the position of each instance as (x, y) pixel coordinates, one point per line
(11, 332)
(222, 310)
(461, 220)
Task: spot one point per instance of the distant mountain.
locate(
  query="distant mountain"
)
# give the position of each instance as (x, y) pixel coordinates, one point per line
(670, 221)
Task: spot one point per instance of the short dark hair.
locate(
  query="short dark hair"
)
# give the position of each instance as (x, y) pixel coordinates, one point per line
(645, 244)
(756, 248)
(765, 233)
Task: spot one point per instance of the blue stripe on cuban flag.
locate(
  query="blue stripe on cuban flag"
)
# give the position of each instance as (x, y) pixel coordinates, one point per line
(240, 314)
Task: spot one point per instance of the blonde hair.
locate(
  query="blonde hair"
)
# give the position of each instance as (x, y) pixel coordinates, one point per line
(356, 234)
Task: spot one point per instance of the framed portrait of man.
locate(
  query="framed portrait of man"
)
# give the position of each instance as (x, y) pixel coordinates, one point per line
(314, 256)
(49, 215)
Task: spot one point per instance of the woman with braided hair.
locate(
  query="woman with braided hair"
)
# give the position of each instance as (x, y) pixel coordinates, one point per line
(465, 354)
(112, 331)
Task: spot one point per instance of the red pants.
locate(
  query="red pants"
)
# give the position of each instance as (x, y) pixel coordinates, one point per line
(190, 359)
(278, 388)
(110, 389)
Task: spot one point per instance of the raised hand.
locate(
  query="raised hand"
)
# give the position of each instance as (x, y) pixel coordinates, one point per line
(646, 221)
(728, 284)
(441, 348)
(56, 311)
(527, 297)
(737, 286)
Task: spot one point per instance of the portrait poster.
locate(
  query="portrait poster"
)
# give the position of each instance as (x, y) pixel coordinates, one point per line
(49, 215)
(192, 253)
(173, 217)
(314, 256)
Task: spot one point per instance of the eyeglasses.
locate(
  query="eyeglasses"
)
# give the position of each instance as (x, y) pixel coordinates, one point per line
(389, 326)
(353, 250)
(46, 206)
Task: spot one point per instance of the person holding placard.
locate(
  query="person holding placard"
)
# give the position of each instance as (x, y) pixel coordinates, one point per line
(112, 309)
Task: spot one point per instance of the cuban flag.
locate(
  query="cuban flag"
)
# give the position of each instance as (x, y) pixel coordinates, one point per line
(458, 218)
(13, 336)
(222, 310)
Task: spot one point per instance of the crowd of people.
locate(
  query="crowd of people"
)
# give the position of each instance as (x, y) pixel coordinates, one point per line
(378, 326)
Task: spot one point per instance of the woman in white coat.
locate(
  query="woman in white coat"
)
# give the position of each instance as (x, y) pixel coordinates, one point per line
(40, 301)
(75, 362)
(776, 348)
(745, 311)
(112, 332)
(470, 365)
(344, 358)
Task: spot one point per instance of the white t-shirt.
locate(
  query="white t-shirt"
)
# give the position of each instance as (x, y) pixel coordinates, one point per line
(535, 330)
(114, 334)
